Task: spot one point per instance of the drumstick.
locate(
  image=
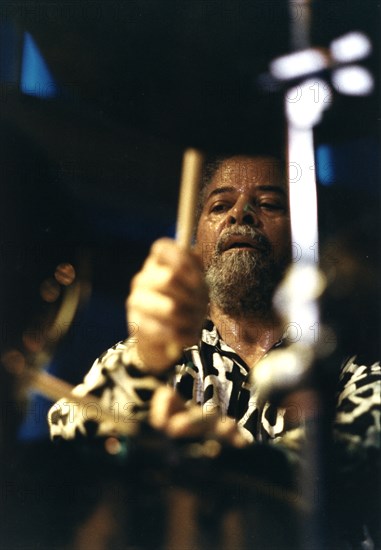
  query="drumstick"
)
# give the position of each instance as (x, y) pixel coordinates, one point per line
(189, 187)
(190, 180)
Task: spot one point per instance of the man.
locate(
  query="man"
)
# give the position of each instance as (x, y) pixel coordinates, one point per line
(242, 250)
(215, 304)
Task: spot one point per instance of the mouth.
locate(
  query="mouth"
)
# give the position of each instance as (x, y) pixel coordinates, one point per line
(240, 246)
(237, 243)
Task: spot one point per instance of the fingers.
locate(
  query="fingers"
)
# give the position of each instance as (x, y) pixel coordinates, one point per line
(170, 414)
(194, 424)
(167, 252)
(174, 269)
(228, 431)
(188, 423)
(156, 290)
(168, 302)
(167, 279)
(165, 403)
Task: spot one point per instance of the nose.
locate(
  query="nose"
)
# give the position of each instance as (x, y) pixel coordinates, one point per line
(242, 214)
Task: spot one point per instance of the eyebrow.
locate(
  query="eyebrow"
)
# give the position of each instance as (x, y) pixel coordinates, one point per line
(228, 189)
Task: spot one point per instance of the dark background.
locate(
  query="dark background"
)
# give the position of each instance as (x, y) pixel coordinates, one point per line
(91, 152)
(98, 100)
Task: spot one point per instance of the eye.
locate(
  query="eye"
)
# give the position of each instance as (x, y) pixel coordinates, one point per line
(272, 206)
(219, 207)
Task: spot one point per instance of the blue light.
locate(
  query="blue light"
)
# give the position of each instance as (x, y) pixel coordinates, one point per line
(325, 165)
(36, 78)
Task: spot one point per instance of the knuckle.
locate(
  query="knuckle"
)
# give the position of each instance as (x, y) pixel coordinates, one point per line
(172, 307)
(161, 248)
(133, 282)
(130, 301)
(136, 281)
(170, 277)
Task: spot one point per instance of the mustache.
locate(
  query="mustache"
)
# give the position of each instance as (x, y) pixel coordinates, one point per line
(244, 231)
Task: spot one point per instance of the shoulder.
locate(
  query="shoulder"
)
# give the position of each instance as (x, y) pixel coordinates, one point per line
(355, 375)
(358, 412)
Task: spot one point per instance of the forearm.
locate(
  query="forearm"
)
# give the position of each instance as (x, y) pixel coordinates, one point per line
(123, 391)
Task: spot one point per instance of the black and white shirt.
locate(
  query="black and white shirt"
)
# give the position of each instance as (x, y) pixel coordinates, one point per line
(212, 375)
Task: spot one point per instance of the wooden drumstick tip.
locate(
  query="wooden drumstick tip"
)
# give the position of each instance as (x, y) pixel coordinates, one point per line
(190, 181)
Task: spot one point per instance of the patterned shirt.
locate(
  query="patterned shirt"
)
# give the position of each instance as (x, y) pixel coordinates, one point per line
(213, 375)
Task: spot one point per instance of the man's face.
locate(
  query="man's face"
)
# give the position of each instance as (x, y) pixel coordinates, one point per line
(243, 233)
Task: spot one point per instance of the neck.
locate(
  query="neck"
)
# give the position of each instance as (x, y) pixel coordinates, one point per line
(250, 335)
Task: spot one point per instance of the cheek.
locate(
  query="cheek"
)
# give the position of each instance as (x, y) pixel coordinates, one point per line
(282, 243)
(207, 237)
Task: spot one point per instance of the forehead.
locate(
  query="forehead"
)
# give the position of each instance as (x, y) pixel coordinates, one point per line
(242, 171)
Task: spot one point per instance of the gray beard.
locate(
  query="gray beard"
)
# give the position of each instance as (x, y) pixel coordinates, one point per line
(243, 281)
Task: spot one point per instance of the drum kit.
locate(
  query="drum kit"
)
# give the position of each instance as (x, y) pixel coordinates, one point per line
(237, 67)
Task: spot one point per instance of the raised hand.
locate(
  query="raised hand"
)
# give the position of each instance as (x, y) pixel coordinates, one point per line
(167, 302)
